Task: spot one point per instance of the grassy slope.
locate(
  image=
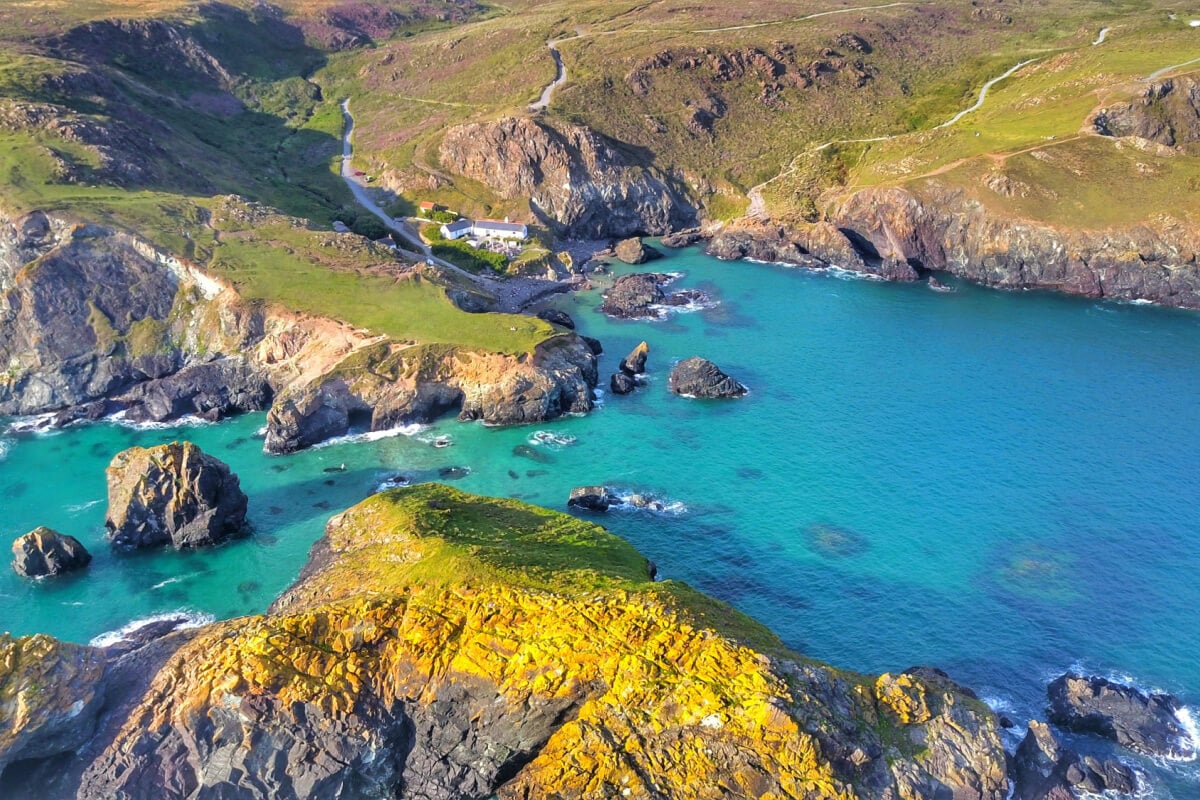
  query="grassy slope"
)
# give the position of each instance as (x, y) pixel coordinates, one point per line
(928, 61)
(281, 150)
(452, 539)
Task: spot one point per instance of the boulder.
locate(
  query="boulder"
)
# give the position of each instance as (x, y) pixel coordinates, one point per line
(635, 251)
(46, 552)
(172, 494)
(635, 362)
(699, 377)
(591, 498)
(556, 317)
(622, 383)
(593, 344)
(1143, 723)
(632, 296)
(1042, 769)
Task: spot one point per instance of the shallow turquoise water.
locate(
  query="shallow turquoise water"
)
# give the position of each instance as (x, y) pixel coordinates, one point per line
(1011, 477)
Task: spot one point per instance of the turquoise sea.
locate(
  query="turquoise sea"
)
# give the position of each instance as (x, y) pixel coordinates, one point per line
(1004, 485)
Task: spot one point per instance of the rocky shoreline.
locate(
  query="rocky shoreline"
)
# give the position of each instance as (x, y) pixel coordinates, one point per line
(109, 324)
(482, 662)
(900, 235)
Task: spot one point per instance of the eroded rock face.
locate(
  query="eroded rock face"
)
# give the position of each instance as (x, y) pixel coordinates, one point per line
(105, 315)
(43, 552)
(385, 386)
(172, 494)
(944, 229)
(575, 179)
(1144, 723)
(818, 245)
(1167, 113)
(699, 377)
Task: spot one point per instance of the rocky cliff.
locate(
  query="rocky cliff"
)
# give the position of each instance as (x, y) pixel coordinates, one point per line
(896, 233)
(441, 645)
(940, 228)
(386, 385)
(94, 321)
(87, 312)
(580, 183)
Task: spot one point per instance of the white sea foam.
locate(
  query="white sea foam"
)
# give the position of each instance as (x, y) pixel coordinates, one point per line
(647, 501)
(186, 421)
(394, 482)
(5, 446)
(1188, 723)
(830, 271)
(598, 397)
(552, 439)
(78, 507)
(371, 436)
(36, 423)
(661, 310)
(176, 579)
(189, 619)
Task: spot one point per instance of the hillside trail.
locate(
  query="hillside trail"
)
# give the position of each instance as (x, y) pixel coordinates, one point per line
(560, 70)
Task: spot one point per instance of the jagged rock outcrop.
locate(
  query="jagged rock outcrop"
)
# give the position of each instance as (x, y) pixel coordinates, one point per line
(576, 180)
(43, 552)
(482, 662)
(642, 295)
(1143, 723)
(1166, 112)
(172, 494)
(818, 245)
(635, 251)
(591, 498)
(622, 383)
(946, 229)
(699, 377)
(1044, 770)
(635, 362)
(635, 295)
(384, 386)
(94, 321)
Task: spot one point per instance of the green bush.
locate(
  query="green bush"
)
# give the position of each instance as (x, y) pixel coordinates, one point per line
(370, 226)
(469, 258)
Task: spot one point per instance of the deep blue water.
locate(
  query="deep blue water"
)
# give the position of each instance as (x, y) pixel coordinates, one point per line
(1001, 484)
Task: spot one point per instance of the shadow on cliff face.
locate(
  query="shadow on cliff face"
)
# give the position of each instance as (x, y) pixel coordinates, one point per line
(207, 106)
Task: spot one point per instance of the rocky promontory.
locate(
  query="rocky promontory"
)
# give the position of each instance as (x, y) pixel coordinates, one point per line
(108, 323)
(172, 494)
(504, 650)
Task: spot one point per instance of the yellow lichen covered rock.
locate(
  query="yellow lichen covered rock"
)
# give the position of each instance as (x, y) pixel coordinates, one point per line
(49, 696)
(441, 645)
